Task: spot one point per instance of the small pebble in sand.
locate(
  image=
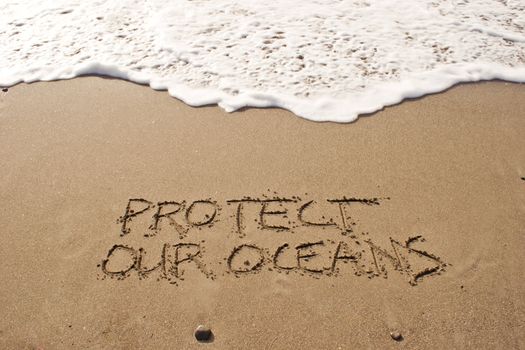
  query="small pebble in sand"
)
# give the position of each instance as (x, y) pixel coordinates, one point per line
(203, 333)
(5, 89)
(396, 335)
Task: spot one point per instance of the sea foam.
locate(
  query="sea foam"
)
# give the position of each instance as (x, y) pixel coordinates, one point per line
(321, 59)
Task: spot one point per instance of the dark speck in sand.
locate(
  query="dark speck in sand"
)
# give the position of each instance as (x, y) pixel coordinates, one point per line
(523, 178)
(5, 89)
(203, 334)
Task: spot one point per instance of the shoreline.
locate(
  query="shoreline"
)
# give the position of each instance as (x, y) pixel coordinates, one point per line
(479, 74)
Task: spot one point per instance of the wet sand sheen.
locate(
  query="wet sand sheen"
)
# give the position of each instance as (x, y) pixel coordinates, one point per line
(445, 171)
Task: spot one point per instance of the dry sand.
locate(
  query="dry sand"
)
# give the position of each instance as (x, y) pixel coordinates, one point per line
(447, 168)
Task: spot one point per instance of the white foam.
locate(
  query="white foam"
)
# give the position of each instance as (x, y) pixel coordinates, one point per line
(321, 59)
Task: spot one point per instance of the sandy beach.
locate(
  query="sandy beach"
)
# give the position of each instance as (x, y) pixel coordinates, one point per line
(129, 218)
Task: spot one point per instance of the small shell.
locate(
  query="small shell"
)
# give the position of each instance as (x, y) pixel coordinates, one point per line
(396, 335)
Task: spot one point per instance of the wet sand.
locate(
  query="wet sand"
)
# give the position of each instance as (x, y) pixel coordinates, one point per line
(129, 218)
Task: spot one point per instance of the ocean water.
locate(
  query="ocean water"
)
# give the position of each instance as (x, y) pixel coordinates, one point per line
(321, 59)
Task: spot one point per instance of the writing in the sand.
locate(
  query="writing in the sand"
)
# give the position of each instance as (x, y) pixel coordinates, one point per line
(337, 242)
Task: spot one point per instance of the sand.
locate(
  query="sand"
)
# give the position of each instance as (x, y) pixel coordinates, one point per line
(411, 220)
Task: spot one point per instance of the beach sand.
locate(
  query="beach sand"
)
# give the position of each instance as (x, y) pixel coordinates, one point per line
(423, 206)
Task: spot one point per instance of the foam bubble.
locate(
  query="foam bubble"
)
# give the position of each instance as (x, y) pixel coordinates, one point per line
(321, 59)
